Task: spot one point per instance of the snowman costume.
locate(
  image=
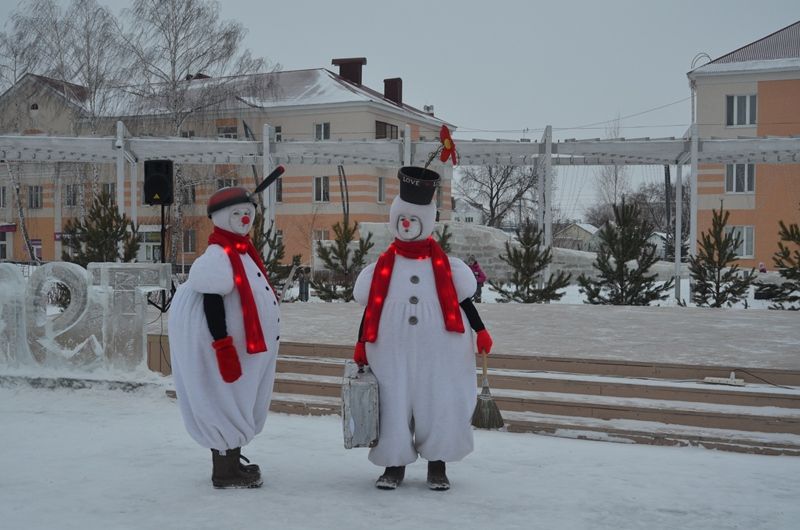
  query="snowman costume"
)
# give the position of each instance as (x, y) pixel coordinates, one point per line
(224, 338)
(425, 368)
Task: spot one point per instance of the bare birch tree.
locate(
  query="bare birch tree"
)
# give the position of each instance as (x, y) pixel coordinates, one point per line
(188, 60)
(613, 181)
(500, 191)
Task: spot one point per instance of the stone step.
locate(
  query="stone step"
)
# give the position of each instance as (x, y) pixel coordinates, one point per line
(296, 368)
(669, 411)
(624, 431)
(652, 433)
(604, 367)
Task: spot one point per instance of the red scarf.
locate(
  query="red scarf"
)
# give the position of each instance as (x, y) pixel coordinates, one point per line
(382, 275)
(234, 245)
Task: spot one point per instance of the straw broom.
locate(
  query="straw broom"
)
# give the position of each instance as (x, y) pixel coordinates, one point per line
(486, 415)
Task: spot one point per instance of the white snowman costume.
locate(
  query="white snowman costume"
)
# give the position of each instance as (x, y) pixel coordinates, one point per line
(220, 415)
(426, 374)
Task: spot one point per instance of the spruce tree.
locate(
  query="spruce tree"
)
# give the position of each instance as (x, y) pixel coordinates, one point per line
(343, 264)
(716, 278)
(528, 261)
(443, 238)
(272, 251)
(623, 262)
(103, 236)
(787, 261)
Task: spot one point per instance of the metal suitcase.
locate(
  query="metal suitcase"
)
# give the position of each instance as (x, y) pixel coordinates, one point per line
(360, 409)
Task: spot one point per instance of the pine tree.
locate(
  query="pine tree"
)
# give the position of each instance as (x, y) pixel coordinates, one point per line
(528, 261)
(103, 236)
(272, 251)
(443, 238)
(716, 278)
(623, 261)
(343, 264)
(787, 262)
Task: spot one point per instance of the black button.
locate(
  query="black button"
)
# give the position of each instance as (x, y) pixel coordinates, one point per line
(278, 337)
(259, 274)
(412, 320)
(267, 288)
(413, 299)
(415, 279)
(274, 302)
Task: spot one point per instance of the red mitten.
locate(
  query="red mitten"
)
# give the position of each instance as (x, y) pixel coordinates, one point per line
(360, 355)
(484, 342)
(227, 359)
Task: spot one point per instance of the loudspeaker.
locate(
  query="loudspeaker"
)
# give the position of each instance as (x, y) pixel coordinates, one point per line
(158, 182)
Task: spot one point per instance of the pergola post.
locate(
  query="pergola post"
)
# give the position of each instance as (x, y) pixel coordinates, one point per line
(546, 192)
(407, 145)
(693, 201)
(677, 241)
(120, 145)
(132, 167)
(269, 196)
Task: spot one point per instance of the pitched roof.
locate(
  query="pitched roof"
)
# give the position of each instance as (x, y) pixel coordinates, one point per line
(276, 90)
(777, 51)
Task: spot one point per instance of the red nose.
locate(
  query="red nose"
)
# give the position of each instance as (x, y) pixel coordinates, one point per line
(245, 220)
(406, 223)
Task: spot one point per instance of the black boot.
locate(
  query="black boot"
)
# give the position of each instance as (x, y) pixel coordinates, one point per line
(227, 472)
(437, 478)
(391, 478)
(248, 467)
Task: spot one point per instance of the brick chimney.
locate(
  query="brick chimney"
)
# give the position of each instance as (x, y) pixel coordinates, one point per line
(350, 68)
(393, 90)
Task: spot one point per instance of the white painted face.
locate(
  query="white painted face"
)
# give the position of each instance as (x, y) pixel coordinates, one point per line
(411, 222)
(237, 218)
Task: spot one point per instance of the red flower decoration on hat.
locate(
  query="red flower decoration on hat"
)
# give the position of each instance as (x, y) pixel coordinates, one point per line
(448, 146)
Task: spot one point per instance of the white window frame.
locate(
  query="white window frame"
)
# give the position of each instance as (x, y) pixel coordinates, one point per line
(469, 219)
(3, 197)
(381, 190)
(278, 133)
(111, 189)
(189, 193)
(749, 119)
(322, 189)
(4, 245)
(71, 195)
(35, 197)
(189, 241)
(322, 131)
(748, 243)
(36, 246)
(279, 190)
(226, 182)
(228, 131)
(321, 234)
(748, 182)
(279, 236)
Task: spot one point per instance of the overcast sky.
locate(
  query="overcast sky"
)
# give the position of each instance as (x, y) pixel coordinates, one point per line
(506, 68)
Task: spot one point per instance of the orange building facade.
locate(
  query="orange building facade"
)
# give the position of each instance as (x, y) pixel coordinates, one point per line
(753, 91)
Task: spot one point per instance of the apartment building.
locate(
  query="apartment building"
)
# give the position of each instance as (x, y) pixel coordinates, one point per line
(752, 91)
(301, 105)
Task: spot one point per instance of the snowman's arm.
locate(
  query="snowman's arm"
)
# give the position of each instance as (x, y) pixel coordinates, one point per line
(473, 317)
(363, 284)
(214, 308)
(212, 272)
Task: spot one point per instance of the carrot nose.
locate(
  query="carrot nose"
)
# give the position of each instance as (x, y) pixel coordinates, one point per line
(245, 220)
(406, 223)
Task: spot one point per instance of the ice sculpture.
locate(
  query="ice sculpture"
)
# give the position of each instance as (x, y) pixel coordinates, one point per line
(103, 327)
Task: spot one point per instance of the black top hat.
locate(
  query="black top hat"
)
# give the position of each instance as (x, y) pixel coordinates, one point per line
(417, 184)
(227, 197)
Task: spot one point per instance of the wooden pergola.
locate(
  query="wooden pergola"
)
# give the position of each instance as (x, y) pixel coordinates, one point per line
(124, 149)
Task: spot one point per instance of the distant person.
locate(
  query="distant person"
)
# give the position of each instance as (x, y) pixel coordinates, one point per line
(302, 281)
(762, 267)
(480, 277)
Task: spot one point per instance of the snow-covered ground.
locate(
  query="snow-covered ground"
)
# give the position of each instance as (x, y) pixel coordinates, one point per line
(102, 459)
